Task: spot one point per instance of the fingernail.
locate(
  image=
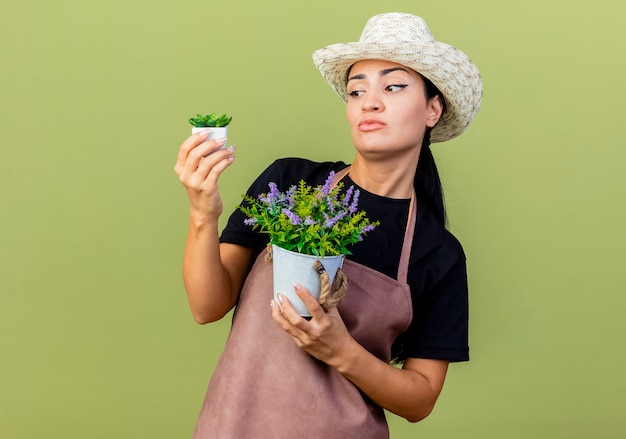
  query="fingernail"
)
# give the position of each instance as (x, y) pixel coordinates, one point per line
(281, 300)
(272, 304)
(204, 133)
(221, 141)
(232, 147)
(297, 286)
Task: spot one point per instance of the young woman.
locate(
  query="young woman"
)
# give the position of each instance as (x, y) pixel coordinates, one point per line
(282, 376)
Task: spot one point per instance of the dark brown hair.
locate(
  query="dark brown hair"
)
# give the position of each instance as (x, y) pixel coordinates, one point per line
(427, 182)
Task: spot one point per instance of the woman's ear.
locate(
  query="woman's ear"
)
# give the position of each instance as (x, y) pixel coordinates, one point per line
(434, 110)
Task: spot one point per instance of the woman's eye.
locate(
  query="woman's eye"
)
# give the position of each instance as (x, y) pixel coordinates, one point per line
(356, 93)
(396, 87)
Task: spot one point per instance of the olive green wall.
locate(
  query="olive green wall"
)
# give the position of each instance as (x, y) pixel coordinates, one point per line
(96, 340)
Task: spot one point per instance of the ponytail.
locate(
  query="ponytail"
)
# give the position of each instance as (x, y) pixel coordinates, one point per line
(427, 183)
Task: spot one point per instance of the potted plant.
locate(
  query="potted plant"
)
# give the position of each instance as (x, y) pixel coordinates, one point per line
(306, 224)
(217, 124)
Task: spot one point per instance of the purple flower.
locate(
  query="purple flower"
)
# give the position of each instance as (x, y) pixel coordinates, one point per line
(274, 192)
(355, 201)
(368, 228)
(290, 196)
(273, 196)
(330, 222)
(346, 198)
(250, 221)
(330, 204)
(328, 183)
(308, 221)
(293, 218)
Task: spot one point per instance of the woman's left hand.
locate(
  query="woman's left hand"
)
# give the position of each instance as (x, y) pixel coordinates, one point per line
(324, 336)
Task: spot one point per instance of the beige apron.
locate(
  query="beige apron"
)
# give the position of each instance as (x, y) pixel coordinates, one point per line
(264, 386)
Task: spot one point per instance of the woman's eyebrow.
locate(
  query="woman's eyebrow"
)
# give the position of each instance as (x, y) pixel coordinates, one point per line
(392, 69)
(359, 76)
(381, 73)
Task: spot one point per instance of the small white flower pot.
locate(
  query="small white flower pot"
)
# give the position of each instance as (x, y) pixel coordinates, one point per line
(214, 133)
(290, 267)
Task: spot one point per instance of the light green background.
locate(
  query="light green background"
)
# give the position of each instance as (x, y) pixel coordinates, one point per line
(96, 340)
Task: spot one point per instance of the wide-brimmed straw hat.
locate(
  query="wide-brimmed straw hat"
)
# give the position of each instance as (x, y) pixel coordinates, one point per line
(405, 39)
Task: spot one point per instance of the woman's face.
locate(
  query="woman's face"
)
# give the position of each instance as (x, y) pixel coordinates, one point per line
(387, 108)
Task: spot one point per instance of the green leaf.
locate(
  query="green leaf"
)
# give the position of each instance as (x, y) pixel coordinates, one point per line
(210, 120)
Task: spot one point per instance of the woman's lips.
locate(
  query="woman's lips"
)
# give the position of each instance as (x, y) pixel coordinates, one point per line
(371, 125)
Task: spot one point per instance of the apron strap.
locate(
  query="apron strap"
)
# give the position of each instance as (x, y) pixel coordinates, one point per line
(405, 256)
(403, 266)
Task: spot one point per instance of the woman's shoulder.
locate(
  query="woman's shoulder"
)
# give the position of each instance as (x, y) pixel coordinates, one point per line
(434, 240)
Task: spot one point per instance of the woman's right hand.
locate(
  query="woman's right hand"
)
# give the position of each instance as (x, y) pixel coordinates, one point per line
(199, 166)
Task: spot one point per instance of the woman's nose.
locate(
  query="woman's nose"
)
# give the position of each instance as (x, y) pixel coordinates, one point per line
(372, 102)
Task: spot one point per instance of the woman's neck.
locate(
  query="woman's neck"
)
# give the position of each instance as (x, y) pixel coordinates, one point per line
(387, 179)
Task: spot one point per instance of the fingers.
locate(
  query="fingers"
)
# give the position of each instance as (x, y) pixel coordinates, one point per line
(311, 302)
(285, 314)
(193, 149)
(211, 167)
(193, 141)
(205, 176)
(292, 322)
(201, 162)
(200, 153)
(316, 337)
(189, 143)
(280, 310)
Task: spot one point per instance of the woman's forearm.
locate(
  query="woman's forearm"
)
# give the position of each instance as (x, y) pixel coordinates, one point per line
(208, 284)
(410, 392)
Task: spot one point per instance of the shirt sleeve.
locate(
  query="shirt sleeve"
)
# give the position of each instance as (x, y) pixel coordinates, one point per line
(236, 231)
(443, 332)
(440, 325)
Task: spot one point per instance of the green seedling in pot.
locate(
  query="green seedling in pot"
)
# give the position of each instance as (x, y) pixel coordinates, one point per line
(210, 120)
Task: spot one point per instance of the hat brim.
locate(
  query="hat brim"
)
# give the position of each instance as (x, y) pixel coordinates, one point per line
(449, 69)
